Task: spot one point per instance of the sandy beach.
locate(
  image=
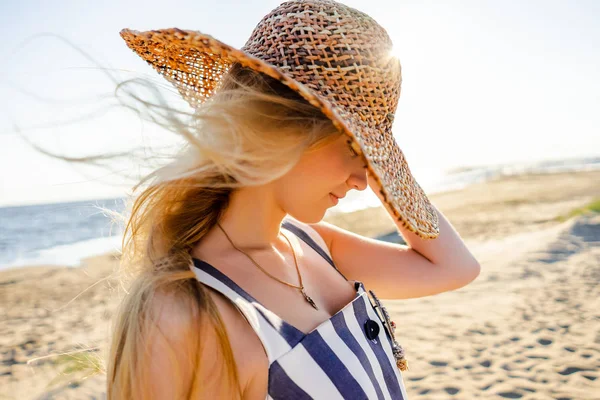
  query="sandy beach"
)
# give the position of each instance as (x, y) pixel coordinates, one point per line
(527, 328)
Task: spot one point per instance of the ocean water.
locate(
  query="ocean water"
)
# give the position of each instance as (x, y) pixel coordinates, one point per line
(58, 233)
(65, 233)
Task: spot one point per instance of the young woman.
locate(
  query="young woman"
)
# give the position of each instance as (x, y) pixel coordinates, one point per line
(239, 289)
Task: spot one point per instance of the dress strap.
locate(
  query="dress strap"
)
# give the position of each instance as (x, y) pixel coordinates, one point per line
(277, 336)
(301, 233)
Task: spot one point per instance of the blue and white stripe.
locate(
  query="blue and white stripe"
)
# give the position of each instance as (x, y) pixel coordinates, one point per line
(334, 361)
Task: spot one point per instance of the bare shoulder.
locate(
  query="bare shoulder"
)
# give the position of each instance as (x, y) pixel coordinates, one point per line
(250, 356)
(181, 330)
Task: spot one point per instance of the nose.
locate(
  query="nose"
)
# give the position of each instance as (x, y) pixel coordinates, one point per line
(358, 179)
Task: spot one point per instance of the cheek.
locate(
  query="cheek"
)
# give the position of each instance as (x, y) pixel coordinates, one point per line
(324, 175)
(312, 179)
(329, 164)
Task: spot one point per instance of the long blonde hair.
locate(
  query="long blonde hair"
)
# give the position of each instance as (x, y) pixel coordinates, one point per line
(252, 131)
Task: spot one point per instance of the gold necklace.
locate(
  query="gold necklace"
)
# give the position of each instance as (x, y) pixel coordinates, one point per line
(301, 287)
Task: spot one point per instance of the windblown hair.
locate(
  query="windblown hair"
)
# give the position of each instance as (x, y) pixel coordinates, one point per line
(253, 130)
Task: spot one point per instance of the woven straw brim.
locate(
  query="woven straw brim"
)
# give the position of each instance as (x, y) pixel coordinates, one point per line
(195, 62)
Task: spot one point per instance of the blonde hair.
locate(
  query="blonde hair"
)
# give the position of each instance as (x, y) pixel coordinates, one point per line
(252, 131)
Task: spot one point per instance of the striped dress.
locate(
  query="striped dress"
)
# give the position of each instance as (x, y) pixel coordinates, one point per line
(340, 359)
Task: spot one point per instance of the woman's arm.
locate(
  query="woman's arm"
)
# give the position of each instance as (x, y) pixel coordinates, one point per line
(448, 248)
(172, 361)
(394, 271)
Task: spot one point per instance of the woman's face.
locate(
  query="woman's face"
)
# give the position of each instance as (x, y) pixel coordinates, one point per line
(305, 191)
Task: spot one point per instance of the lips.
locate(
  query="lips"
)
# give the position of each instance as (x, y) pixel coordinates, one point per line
(334, 198)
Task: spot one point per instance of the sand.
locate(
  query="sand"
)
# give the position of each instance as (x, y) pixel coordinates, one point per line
(527, 328)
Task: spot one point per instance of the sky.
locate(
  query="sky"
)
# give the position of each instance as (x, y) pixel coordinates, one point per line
(484, 82)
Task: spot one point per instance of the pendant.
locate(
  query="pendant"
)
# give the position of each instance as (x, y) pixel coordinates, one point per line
(397, 350)
(310, 301)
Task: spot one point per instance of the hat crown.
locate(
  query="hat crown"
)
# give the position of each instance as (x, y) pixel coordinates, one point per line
(335, 50)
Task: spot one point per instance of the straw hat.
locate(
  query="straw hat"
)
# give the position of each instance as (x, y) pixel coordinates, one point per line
(338, 58)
